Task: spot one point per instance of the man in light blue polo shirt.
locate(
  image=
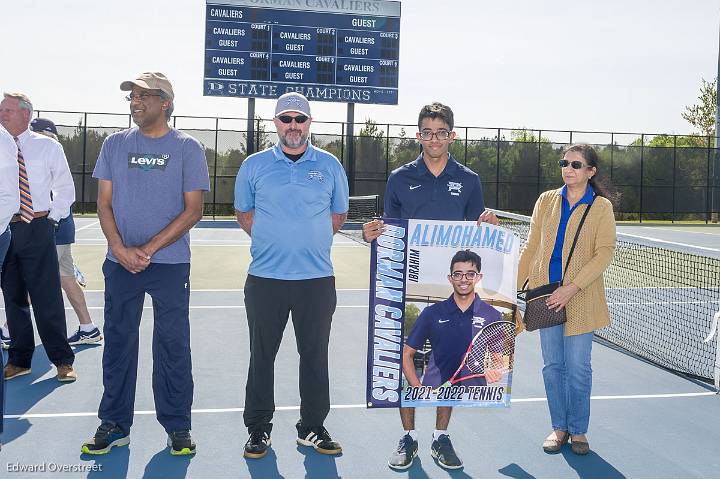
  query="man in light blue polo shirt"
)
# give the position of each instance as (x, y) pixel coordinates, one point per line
(291, 199)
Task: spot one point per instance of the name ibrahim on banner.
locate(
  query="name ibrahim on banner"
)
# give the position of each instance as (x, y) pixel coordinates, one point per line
(409, 271)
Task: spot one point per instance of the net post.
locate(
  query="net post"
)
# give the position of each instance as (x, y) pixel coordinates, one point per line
(716, 371)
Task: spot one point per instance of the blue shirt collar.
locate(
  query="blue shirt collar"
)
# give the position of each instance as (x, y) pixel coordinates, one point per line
(309, 154)
(452, 307)
(587, 197)
(450, 168)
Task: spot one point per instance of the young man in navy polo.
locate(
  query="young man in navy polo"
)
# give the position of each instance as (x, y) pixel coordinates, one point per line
(450, 325)
(433, 187)
(291, 199)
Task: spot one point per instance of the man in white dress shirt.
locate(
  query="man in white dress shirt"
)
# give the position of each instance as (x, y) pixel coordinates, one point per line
(9, 205)
(31, 264)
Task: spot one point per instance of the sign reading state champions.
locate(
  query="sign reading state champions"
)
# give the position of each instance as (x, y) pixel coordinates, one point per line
(329, 50)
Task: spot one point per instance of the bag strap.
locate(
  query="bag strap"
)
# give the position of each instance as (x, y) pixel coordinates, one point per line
(577, 233)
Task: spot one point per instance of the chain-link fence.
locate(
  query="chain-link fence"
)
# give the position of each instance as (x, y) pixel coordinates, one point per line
(667, 177)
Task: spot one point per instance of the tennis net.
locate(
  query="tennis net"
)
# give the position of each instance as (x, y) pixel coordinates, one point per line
(363, 208)
(662, 298)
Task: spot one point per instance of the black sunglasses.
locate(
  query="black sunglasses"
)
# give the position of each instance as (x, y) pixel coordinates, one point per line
(288, 119)
(575, 164)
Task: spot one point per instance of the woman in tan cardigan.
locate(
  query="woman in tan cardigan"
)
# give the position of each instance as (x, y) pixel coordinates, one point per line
(566, 348)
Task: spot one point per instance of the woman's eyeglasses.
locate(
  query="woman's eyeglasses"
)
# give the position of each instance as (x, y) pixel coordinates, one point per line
(575, 164)
(287, 119)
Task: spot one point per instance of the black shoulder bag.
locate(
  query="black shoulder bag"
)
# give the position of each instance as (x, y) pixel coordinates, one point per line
(537, 313)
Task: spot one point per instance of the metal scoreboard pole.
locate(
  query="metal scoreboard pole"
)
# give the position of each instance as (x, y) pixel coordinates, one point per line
(715, 184)
(350, 147)
(250, 145)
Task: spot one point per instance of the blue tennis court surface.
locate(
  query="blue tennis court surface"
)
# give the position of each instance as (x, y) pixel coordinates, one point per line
(645, 423)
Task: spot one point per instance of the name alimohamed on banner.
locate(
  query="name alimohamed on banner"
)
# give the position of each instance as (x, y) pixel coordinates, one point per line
(417, 333)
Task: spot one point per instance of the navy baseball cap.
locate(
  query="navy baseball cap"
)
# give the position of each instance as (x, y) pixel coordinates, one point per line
(39, 125)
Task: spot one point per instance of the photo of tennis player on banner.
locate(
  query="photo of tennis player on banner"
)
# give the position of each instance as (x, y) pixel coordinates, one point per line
(458, 338)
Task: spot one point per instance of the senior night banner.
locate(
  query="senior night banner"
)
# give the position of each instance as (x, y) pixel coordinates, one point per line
(412, 300)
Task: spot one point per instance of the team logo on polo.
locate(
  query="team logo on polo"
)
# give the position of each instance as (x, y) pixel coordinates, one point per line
(148, 161)
(454, 188)
(478, 321)
(315, 175)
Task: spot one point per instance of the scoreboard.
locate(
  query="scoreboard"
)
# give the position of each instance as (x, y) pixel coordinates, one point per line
(328, 50)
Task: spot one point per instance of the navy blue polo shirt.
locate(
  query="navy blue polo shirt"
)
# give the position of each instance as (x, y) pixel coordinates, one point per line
(450, 331)
(412, 191)
(556, 261)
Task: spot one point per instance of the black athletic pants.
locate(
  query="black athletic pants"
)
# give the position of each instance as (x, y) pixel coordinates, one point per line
(268, 303)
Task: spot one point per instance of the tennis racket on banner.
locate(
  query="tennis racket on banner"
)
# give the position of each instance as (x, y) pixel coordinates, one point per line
(491, 349)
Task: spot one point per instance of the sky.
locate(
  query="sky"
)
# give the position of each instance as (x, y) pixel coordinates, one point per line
(615, 65)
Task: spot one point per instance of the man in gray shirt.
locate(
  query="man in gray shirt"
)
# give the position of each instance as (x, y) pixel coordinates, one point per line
(150, 193)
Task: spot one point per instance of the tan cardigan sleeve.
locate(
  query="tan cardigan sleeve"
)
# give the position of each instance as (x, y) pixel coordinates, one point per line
(532, 244)
(604, 247)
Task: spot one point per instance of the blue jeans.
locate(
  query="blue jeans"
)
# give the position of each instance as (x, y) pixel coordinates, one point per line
(568, 378)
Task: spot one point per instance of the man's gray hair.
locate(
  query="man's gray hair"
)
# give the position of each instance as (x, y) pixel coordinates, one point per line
(165, 97)
(23, 100)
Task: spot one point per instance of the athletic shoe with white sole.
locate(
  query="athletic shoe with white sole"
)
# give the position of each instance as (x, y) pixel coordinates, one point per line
(82, 337)
(406, 451)
(318, 437)
(442, 450)
(4, 340)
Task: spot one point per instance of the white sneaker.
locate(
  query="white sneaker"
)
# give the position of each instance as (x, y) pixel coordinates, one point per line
(79, 276)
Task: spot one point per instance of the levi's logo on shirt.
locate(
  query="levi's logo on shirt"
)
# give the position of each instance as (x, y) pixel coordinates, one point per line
(148, 161)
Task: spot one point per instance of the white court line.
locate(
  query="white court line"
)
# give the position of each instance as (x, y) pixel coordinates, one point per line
(650, 238)
(685, 231)
(87, 226)
(351, 406)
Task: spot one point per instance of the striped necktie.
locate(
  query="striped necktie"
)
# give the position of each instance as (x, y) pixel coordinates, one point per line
(26, 206)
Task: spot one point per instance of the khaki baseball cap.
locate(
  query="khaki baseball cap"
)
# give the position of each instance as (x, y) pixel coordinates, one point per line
(150, 81)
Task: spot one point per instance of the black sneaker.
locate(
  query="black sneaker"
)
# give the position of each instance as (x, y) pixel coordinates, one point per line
(406, 451)
(107, 436)
(258, 442)
(181, 443)
(317, 437)
(442, 450)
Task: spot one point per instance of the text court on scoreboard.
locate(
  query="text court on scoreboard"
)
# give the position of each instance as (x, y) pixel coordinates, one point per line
(326, 55)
